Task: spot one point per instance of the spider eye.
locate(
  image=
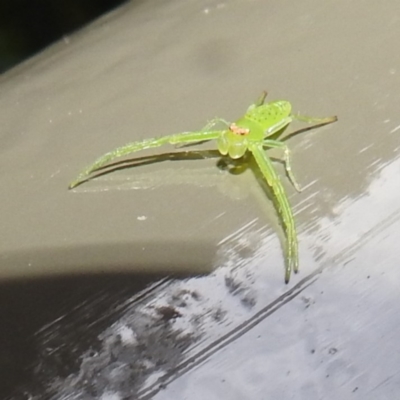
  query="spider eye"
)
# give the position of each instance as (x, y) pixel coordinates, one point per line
(237, 130)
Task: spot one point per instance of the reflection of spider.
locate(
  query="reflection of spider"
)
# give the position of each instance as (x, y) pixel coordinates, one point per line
(261, 127)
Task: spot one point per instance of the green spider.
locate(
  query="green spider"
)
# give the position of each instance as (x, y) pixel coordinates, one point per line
(261, 127)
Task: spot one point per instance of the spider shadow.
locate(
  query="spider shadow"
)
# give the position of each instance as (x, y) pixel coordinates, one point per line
(224, 163)
(151, 159)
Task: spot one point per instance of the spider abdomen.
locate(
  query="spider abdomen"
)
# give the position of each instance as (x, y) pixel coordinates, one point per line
(269, 115)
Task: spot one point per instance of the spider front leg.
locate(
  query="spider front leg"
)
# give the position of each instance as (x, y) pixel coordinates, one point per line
(286, 159)
(185, 137)
(283, 206)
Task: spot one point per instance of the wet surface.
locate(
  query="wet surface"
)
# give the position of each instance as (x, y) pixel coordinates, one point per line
(231, 329)
(48, 324)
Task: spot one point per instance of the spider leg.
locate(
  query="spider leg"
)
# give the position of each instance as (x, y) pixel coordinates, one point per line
(286, 159)
(284, 209)
(185, 137)
(215, 121)
(311, 120)
(210, 124)
(259, 102)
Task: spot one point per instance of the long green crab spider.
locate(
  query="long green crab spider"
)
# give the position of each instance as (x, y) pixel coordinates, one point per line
(261, 127)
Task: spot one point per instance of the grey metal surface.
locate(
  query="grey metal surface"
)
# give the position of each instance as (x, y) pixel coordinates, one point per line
(155, 68)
